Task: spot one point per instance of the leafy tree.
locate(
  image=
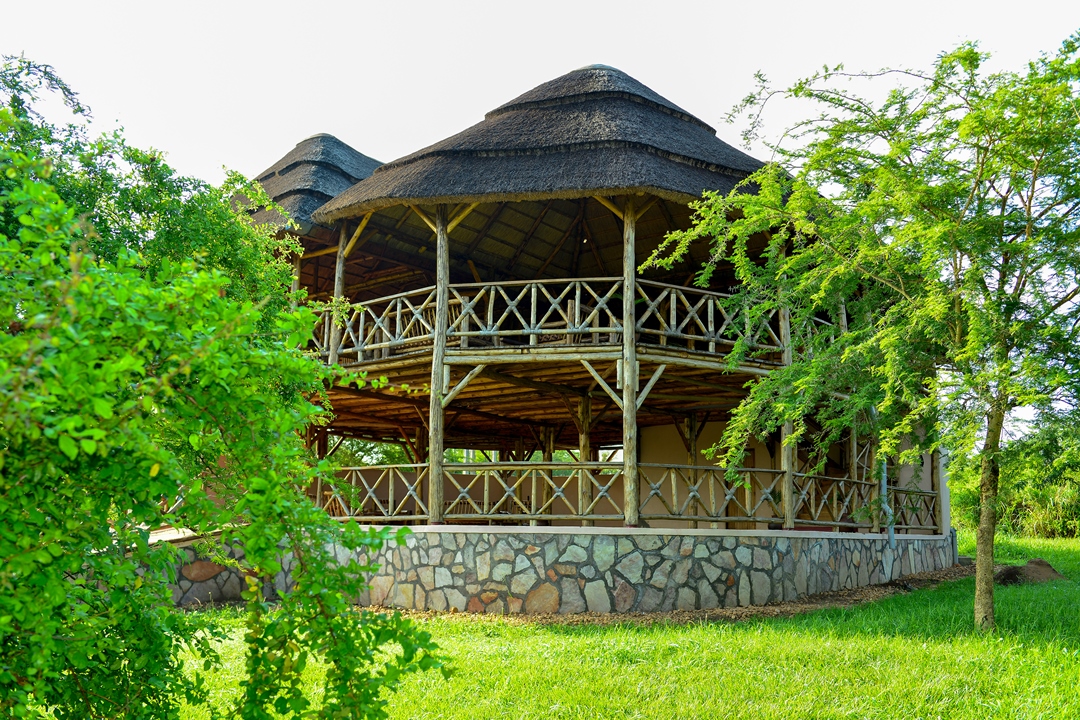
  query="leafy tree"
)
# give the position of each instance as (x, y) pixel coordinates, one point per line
(943, 219)
(138, 391)
(1039, 493)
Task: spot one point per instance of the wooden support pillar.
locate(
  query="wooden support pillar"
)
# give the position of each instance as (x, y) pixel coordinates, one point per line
(436, 414)
(691, 431)
(787, 450)
(542, 495)
(937, 486)
(584, 425)
(295, 278)
(876, 500)
(629, 372)
(339, 290)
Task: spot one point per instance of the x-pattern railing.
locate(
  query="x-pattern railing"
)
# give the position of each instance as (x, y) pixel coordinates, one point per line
(379, 493)
(706, 493)
(699, 320)
(531, 491)
(913, 508)
(380, 328)
(823, 500)
(549, 311)
(517, 492)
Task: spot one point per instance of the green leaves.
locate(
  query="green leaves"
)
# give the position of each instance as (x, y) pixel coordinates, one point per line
(68, 446)
(942, 219)
(139, 388)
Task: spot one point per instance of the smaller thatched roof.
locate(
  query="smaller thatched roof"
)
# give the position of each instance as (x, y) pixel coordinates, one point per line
(316, 170)
(594, 131)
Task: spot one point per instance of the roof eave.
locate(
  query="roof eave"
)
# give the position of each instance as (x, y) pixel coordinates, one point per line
(326, 215)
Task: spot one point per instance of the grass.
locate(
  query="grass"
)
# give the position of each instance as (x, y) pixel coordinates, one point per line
(909, 656)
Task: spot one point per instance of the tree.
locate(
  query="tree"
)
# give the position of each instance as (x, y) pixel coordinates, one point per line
(138, 391)
(941, 224)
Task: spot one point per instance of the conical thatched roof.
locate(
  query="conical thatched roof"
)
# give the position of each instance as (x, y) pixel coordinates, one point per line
(594, 131)
(316, 170)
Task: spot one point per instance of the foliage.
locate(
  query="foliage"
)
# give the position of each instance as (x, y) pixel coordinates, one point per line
(1040, 483)
(944, 219)
(137, 391)
(912, 655)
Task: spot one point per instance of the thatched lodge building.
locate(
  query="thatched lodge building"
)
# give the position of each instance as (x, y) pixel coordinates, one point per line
(495, 274)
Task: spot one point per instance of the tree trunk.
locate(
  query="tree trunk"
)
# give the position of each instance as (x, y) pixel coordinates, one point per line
(984, 540)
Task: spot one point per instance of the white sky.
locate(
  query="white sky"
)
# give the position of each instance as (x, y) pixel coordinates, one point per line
(239, 84)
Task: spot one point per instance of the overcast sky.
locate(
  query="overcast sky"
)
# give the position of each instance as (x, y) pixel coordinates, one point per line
(239, 84)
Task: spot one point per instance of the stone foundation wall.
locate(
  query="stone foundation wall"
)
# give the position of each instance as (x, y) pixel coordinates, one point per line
(511, 570)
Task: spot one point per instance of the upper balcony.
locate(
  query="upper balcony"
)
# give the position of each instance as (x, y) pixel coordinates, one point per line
(553, 320)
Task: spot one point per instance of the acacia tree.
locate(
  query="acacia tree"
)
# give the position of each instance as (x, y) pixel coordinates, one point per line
(943, 221)
(128, 377)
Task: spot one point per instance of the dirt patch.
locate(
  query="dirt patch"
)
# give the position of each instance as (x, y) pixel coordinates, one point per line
(1036, 570)
(811, 603)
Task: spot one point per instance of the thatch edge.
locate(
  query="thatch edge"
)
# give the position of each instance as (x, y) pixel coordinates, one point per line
(351, 211)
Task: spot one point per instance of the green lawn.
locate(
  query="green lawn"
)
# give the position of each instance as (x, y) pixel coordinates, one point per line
(909, 656)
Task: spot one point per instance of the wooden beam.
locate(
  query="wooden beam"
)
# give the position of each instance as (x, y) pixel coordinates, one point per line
(603, 384)
(538, 385)
(319, 253)
(562, 241)
(356, 234)
(649, 386)
(459, 217)
(427, 221)
(611, 206)
(528, 236)
(420, 404)
(484, 230)
(594, 248)
(645, 208)
(472, 269)
(462, 384)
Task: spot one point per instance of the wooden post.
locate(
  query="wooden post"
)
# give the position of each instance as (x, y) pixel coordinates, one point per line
(436, 415)
(691, 430)
(295, 278)
(787, 450)
(339, 290)
(629, 368)
(547, 450)
(584, 425)
(936, 486)
(875, 489)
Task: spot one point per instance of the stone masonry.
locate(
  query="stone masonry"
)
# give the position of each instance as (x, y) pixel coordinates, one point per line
(496, 570)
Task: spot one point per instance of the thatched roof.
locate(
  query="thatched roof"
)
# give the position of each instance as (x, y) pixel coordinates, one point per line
(316, 170)
(594, 131)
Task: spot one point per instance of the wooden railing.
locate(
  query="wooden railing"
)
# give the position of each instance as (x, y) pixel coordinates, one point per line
(913, 509)
(528, 493)
(567, 312)
(523, 491)
(834, 502)
(693, 319)
(706, 494)
(546, 313)
(378, 329)
(378, 494)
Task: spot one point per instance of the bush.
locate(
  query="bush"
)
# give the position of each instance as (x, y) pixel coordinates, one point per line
(138, 391)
